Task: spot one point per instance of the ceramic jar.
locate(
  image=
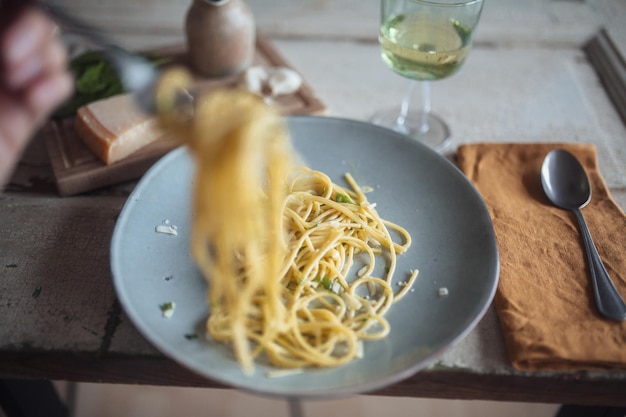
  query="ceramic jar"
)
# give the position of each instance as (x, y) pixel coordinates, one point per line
(220, 36)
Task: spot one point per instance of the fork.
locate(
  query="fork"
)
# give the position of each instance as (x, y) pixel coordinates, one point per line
(137, 74)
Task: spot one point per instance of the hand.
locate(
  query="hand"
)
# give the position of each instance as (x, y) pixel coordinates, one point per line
(33, 80)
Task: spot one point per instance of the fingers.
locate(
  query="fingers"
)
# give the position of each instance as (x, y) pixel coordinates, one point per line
(50, 58)
(15, 127)
(27, 35)
(43, 95)
(30, 49)
(34, 73)
(19, 118)
(33, 81)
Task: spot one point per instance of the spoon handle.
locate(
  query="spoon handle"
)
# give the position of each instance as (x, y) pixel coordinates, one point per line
(608, 300)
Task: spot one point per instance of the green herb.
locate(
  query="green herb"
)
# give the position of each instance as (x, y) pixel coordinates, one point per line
(191, 336)
(343, 198)
(95, 80)
(166, 306)
(327, 283)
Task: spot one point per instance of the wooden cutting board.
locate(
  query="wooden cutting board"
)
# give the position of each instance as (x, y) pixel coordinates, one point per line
(77, 170)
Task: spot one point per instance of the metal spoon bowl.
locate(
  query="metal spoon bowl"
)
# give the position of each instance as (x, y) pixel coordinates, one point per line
(566, 184)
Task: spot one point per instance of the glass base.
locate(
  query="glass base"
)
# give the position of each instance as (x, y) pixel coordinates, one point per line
(436, 135)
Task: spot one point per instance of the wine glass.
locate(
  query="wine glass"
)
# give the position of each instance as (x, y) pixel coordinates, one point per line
(424, 40)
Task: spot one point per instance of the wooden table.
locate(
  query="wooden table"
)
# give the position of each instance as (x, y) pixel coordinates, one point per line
(527, 79)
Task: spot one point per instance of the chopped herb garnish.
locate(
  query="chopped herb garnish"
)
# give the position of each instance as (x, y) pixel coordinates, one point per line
(258, 350)
(167, 309)
(166, 306)
(343, 198)
(327, 283)
(191, 336)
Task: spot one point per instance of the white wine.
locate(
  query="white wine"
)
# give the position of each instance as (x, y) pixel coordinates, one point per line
(424, 49)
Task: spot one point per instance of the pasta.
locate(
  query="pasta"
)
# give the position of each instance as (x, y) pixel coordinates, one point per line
(299, 269)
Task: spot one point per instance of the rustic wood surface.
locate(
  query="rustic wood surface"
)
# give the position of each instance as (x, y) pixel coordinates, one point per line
(527, 79)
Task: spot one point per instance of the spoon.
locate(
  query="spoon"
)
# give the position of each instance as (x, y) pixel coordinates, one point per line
(566, 184)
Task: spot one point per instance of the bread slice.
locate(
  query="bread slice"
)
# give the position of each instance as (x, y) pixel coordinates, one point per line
(116, 127)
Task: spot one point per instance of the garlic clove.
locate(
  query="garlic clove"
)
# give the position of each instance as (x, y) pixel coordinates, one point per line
(284, 81)
(255, 79)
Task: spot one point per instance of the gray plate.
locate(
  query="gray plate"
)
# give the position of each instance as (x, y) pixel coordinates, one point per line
(453, 246)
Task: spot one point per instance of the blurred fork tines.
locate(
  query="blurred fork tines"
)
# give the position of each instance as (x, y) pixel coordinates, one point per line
(136, 73)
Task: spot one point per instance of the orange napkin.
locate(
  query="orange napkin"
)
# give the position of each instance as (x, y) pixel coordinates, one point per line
(544, 300)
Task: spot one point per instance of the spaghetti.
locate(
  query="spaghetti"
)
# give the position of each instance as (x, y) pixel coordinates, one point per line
(299, 268)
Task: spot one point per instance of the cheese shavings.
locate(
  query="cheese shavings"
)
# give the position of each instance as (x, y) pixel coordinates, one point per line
(167, 229)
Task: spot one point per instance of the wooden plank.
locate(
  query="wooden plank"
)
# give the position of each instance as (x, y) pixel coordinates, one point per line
(77, 169)
(55, 285)
(611, 68)
(579, 389)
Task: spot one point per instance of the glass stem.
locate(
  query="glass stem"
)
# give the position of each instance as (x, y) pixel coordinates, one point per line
(404, 107)
(426, 106)
(406, 101)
